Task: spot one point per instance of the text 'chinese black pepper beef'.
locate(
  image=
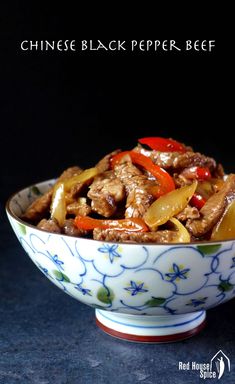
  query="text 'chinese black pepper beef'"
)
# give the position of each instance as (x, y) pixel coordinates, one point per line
(120, 198)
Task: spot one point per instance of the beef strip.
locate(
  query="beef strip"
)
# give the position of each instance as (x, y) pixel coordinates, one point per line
(78, 187)
(186, 176)
(70, 229)
(49, 226)
(137, 186)
(162, 159)
(217, 184)
(164, 236)
(176, 160)
(219, 172)
(193, 159)
(105, 193)
(213, 209)
(180, 180)
(70, 172)
(38, 209)
(104, 164)
(188, 213)
(79, 207)
(41, 206)
(139, 198)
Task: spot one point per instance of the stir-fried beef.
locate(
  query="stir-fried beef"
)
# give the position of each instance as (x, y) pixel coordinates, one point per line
(77, 189)
(79, 207)
(177, 161)
(39, 208)
(70, 172)
(137, 186)
(192, 159)
(123, 188)
(165, 236)
(49, 226)
(104, 164)
(70, 229)
(214, 208)
(180, 180)
(105, 193)
(188, 213)
(139, 198)
(219, 171)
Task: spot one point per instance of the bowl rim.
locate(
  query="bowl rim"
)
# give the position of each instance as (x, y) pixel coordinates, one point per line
(17, 218)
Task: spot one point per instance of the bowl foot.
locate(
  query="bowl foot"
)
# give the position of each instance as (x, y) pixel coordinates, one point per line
(151, 329)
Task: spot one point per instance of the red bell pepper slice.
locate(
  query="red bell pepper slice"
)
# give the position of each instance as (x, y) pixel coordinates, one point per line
(163, 145)
(166, 183)
(131, 225)
(203, 173)
(197, 201)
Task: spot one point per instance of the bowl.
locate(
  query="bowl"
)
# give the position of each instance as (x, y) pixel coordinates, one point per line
(140, 292)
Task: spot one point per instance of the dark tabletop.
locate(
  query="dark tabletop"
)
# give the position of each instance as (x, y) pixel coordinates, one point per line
(48, 337)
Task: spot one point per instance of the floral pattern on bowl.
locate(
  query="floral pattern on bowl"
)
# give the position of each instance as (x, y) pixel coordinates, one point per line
(150, 279)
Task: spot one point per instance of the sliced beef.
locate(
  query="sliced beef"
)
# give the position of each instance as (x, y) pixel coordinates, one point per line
(164, 236)
(193, 159)
(71, 229)
(79, 207)
(38, 209)
(105, 193)
(139, 198)
(104, 164)
(214, 208)
(219, 172)
(78, 187)
(188, 213)
(162, 159)
(49, 226)
(217, 184)
(70, 172)
(137, 186)
(180, 180)
(41, 206)
(178, 161)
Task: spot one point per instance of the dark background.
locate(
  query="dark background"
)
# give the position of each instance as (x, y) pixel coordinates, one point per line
(60, 108)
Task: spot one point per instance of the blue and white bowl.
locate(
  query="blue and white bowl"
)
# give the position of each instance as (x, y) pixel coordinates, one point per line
(141, 292)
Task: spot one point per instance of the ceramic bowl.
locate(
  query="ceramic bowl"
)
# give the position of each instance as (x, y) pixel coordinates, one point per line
(140, 292)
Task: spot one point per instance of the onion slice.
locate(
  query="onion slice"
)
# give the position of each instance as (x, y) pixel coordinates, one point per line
(169, 205)
(182, 234)
(58, 206)
(225, 228)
